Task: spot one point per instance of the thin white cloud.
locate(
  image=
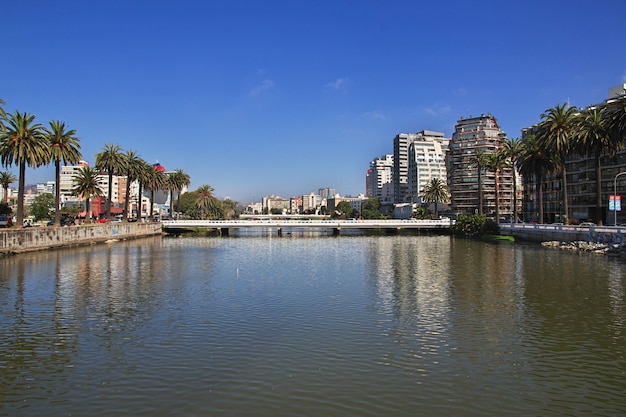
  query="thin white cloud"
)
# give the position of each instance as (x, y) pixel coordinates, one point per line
(436, 110)
(375, 115)
(338, 85)
(261, 88)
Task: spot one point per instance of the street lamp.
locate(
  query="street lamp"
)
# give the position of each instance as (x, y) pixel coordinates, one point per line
(615, 197)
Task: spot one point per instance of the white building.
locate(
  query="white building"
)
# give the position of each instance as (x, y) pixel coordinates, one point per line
(427, 160)
(427, 155)
(379, 179)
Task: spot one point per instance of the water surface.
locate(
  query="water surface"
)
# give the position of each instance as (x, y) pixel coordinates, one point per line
(311, 326)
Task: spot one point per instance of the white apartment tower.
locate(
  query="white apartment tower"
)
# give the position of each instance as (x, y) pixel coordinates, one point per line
(427, 160)
(428, 154)
(378, 181)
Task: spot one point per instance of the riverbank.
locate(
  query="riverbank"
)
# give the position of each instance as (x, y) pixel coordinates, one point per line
(14, 241)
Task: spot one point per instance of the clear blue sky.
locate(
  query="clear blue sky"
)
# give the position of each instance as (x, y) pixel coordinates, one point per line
(286, 97)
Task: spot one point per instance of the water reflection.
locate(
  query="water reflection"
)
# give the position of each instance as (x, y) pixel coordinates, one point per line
(310, 325)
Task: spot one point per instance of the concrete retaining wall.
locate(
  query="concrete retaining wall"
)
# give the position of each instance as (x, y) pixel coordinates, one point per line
(544, 233)
(38, 238)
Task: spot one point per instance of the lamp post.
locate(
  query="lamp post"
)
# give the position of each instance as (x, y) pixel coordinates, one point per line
(615, 197)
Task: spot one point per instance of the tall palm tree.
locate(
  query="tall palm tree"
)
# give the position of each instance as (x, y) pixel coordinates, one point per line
(6, 178)
(616, 119)
(22, 141)
(133, 165)
(154, 181)
(178, 180)
(3, 115)
(593, 139)
(534, 162)
(64, 148)
(113, 162)
(208, 206)
(86, 186)
(479, 161)
(436, 191)
(556, 130)
(511, 149)
(496, 162)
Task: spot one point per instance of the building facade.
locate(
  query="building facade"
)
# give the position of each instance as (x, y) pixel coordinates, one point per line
(581, 185)
(379, 179)
(412, 151)
(427, 160)
(471, 135)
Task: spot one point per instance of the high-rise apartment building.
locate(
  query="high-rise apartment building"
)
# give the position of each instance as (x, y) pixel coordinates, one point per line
(425, 149)
(427, 160)
(470, 136)
(378, 180)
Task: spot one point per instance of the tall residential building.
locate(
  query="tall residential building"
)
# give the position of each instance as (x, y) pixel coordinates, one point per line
(581, 184)
(426, 139)
(471, 135)
(427, 160)
(379, 180)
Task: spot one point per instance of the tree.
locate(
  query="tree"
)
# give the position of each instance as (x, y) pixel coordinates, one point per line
(208, 206)
(22, 142)
(42, 207)
(616, 119)
(370, 209)
(113, 162)
(6, 179)
(479, 161)
(177, 180)
(154, 180)
(512, 150)
(133, 164)
(534, 162)
(230, 209)
(436, 191)
(496, 162)
(64, 148)
(86, 186)
(344, 209)
(555, 136)
(593, 139)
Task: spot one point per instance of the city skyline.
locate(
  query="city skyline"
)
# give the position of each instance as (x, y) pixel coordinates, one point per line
(285, 98)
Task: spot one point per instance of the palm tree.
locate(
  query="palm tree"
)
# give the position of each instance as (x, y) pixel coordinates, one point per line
(113, 162)
(134, 164)
(511, 149)
(177, 180)
(616, 119)
(555, 135)
(86, 186)
(154, 180)
(64, 148)
(436, 191)
(6, 178)
(3, 115)
(479, 161)
(593, 139)
(534, 162)
(22, 142)
(496, 162)
(208, 206)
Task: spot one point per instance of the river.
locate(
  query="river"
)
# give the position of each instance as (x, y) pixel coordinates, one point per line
(309, 325)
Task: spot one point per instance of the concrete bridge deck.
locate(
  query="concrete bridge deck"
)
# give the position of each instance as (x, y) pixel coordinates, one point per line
(223, 226)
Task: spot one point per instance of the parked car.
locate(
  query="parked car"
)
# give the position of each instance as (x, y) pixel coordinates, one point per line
(5, 221)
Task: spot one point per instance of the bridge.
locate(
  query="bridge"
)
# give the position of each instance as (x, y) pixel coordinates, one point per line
(224, 226)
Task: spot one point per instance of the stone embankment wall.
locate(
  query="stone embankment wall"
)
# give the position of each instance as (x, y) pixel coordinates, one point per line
(598, 239)
(39, 238)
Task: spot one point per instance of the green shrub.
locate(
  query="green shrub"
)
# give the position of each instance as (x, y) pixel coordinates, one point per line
(475, 225)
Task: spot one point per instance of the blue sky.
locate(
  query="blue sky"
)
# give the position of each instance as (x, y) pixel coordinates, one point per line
(286, 97)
